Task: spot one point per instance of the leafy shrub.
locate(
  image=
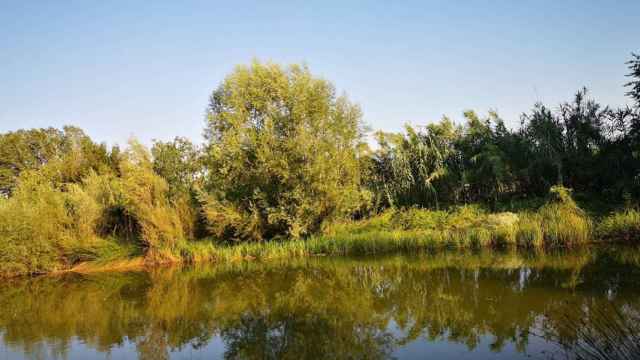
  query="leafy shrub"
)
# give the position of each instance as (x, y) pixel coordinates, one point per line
(48, 224)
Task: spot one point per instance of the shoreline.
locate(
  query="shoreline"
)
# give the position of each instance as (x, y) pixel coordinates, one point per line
(399, 231)
(140, 263)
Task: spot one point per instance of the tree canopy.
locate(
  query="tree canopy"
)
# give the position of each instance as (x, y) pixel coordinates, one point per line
(281, 155)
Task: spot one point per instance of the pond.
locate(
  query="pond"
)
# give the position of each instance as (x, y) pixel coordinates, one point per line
(450, 305)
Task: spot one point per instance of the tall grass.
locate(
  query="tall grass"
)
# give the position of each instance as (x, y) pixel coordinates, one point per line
(46, 226)
(49, 225)
(559, 223)
(622, 225)
(529, 232)
(563, 222)
(43, 228)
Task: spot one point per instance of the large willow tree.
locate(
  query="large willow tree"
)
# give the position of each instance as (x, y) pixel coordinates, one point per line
(282, 154)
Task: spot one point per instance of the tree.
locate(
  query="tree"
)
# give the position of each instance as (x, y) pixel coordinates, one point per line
(485, 168)
(634, 84)
(408, 166)
(282, 154)
(545, 134)
(583, 121)
(71, 148)
(179, 163)
(634, 131)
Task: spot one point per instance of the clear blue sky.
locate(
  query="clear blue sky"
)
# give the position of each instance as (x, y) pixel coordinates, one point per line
(146, 68)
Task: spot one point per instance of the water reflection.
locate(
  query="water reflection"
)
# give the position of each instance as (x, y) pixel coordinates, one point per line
(509, 304)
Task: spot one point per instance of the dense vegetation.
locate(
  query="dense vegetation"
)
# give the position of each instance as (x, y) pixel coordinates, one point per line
(285, 158)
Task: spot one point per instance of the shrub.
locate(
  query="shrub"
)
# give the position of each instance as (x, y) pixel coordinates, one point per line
(48, 225)
(43, 228)
(620, 226)
(414, 218)
(563, 222)
(146, 199)
(32, 227)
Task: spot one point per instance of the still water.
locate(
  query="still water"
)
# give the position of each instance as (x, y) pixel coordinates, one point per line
(469, 305)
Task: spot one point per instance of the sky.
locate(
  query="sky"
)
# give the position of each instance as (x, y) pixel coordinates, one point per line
(119, 69)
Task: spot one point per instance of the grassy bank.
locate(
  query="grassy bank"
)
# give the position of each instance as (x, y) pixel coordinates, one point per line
(560, 223)
(417, 230)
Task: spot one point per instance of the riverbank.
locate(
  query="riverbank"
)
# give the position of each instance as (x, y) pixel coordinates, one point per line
(553, 226)
(417, 230)
(559, 223)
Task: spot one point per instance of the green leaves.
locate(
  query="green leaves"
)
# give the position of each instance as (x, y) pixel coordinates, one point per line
(282, 153)
(71, 149)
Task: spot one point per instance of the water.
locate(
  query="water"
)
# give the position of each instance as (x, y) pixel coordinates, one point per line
(504, 305)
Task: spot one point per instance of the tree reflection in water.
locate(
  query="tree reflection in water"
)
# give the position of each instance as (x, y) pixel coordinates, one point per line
(324, 308)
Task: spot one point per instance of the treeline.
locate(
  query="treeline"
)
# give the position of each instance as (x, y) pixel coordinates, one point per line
(283, 157)
(582, 145)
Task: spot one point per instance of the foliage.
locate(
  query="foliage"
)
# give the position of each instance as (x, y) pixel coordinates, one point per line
(285, 158)
(282, 154)
(563, 222)
(634, 84)
(407, 166)
(31, 149)
(582, 145)
(51, 224)
(179, 162)
(43, 228)
(559, 223)
(621, 225)
(146, 199)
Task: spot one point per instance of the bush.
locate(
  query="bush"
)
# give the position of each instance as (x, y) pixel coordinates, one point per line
(414, 218)
(49, 225)
(43, 228)
(620, 226)
(145, 196)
